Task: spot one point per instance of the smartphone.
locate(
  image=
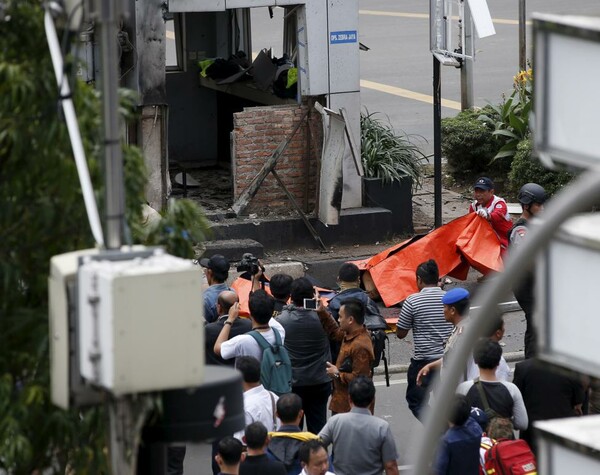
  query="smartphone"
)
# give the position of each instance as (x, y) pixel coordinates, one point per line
(310, 304)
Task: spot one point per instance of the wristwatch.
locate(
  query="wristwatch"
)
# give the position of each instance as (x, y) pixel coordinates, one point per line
(337, 375)
(228, 323)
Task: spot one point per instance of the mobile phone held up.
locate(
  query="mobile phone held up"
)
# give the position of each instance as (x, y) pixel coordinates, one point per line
(310, 304)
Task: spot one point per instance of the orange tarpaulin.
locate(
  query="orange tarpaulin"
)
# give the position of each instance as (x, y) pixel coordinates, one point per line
(463, 242)
(243, 287)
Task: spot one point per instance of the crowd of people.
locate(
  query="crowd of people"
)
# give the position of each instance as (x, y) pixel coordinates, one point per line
(330, 352)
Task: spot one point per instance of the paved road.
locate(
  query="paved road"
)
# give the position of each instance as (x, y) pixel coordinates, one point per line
(400, 58)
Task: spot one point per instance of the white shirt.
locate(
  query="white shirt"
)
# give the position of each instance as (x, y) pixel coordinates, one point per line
(246, 345)
(259, 406)
(303, 472)
(502, 371)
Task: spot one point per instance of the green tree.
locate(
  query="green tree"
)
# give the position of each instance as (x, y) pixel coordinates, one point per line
(42, 214)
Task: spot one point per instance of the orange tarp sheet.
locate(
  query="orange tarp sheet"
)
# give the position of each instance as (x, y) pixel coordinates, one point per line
(243, 287)
(463, 242)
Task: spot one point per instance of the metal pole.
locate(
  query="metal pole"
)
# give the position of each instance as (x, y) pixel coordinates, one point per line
(466, 70)
(522, 35)
(437, 143)
(123, 448)
(107, 16)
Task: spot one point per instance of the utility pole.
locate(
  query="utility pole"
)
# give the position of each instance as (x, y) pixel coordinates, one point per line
(437, 143)
(122, 423)
(108, 14)
(522, 35)
(466, 69)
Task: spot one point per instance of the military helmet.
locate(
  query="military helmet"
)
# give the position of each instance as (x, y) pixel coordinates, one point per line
(531, 193)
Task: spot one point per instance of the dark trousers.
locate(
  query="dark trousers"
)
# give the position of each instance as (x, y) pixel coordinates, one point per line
(524, 296)
(417, 396)
(175, 457)
(314, 404)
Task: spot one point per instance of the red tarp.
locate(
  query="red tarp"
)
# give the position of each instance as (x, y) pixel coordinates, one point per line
(466, 241)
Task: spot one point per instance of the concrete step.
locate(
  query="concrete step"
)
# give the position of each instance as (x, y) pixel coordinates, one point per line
(357, 226)
(233, 249)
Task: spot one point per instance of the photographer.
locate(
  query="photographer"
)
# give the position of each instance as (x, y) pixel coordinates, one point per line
(216, 270)
(308, 347)
(261, 309)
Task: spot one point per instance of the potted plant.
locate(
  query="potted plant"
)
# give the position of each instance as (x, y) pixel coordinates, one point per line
(392, 165)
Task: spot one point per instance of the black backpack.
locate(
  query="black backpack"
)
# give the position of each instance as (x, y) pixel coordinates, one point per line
(377, 326)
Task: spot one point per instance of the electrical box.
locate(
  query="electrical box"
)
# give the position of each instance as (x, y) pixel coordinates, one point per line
(67, 388)
(140, 322)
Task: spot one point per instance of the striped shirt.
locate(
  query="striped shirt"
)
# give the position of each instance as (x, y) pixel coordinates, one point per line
(423, 313)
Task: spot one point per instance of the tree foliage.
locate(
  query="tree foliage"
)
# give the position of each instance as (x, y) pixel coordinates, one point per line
(42, 215)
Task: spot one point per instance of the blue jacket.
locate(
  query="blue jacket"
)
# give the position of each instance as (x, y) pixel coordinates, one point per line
(458, 451)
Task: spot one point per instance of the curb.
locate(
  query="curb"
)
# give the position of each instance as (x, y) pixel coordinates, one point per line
(511, 357)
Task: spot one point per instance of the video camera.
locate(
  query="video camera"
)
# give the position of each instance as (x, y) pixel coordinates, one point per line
(250, 264)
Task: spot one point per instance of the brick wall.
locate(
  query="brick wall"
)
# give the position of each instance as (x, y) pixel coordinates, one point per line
(257, 131)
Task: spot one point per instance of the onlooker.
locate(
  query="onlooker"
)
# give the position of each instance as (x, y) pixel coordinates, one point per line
(356, 353)
(259, 404)
(229, 456)
(287, 441)
(216, 270)
(458, 451)
(502, 397)
(532, 198)
(257, 463)
(212, 330)
(496, 334)
(314, 459)
(349, 282)
(547, 394)
(498, 429)
(280, 285)
(423, 313)
(362, 443)
(261, 309)
(456, 309)
(308, 348)
(491, 207)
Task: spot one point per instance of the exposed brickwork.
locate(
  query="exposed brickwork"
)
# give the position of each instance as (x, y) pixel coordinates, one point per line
(257, 131)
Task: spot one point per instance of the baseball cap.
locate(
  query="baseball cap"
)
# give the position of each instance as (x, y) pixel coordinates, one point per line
(216, 263)
(455, 295)
(480, 417)
(484, 183)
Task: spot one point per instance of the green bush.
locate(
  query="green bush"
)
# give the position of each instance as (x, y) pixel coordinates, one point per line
(469, 146)
(387, 154)
(527, 168)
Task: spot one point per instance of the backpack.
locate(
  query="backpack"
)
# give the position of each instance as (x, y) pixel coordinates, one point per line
(489, 412)
(376, 325)
(510, 457)
(275, 367)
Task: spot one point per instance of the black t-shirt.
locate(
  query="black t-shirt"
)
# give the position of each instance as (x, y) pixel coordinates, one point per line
(261, 465)
(498, 397)
(211, 333)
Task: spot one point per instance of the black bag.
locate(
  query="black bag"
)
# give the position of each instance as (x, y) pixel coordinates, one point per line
(376, 325)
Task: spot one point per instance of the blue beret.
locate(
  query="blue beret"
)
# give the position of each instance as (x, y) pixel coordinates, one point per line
(455, 295)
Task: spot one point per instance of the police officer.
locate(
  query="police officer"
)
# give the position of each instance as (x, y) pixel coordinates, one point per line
(456, 310)
(532, 197)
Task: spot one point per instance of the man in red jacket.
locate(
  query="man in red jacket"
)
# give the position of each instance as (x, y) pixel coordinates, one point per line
(493, 208)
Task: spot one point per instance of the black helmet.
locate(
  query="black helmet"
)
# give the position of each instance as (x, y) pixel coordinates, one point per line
(531, 193)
